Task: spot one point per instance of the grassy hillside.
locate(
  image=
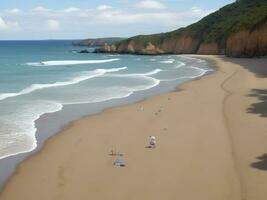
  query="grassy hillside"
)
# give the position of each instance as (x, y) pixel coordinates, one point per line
(246, 14)
(216, 27)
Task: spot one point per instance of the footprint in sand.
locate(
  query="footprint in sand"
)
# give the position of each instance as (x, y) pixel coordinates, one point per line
(61, 177)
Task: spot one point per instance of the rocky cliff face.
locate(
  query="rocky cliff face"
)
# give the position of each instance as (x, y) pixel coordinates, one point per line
(186, 45)
(209, 48)
(238, 29)
(245, 43)
(248, 43)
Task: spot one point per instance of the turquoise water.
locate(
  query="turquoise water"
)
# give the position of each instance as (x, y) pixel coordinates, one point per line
(38, 77)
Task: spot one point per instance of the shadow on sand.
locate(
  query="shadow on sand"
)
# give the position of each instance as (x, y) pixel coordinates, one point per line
(261, 164)
(260, 107)
(257, 66)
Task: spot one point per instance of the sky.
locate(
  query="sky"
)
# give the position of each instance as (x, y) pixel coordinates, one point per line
(79, 19)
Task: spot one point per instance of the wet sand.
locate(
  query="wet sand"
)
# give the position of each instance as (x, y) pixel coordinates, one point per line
(209, 135)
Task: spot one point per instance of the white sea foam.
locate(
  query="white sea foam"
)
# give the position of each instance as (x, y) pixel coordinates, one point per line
(84, 76)
(155, 71)
(70, 62)
(193, 58)
(121, 91)
(170, 61)
(200, 70)
(153, 83)
(181, 64)
(21, 138)
(143, 76)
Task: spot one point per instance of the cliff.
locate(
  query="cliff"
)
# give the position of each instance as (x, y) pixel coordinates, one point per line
(248, 43)
(238, 29)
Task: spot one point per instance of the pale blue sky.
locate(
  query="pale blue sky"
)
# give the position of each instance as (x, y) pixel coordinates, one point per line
(69, 19)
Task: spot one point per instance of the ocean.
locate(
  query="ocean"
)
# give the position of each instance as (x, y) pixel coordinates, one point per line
(40, 77)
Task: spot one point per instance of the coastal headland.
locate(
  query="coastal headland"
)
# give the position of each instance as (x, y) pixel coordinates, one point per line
(237, 30)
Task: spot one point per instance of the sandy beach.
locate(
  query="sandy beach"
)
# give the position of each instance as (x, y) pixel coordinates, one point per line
(211, 145)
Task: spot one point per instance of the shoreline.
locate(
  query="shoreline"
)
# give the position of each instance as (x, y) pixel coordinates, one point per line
(45, 132)
(206, 149)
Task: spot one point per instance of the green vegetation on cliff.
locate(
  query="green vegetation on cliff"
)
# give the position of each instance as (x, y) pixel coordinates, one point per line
(245, 14)
(214, 28)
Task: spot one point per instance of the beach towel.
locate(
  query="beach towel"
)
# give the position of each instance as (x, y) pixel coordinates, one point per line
(119, 163)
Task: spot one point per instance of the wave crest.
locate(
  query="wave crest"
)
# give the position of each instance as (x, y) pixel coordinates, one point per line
(153, 72)
(170, 61)
(70, 62)
(85, 76)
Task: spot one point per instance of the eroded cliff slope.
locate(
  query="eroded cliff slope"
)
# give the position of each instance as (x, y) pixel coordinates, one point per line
(238, 29)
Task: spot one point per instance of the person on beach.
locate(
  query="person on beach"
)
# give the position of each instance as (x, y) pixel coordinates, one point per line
(152, 141)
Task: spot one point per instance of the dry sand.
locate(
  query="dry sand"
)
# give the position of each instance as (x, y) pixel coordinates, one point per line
(206, 143)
